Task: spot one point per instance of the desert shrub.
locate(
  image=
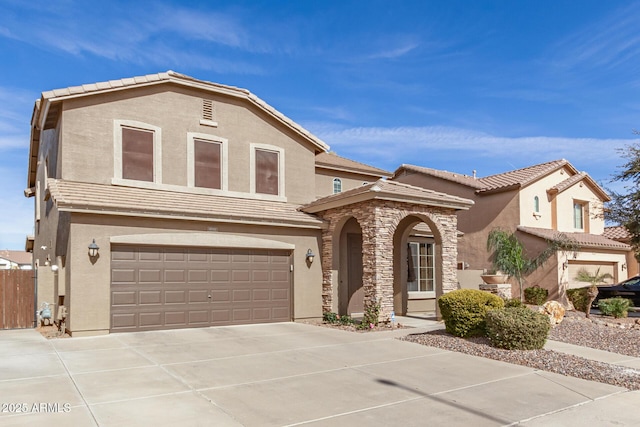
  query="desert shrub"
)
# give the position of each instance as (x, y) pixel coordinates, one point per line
(535, 295)
(513, 302)
(371, 315)
(345, 319)
(330, 317)
(517, 328)
(579, 298)
(464, 310)
(616, 307)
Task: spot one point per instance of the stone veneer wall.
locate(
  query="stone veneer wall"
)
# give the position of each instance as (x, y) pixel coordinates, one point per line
(379, 220)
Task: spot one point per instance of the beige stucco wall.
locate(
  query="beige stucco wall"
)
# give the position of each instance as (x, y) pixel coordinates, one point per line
(539, 188)
(89, 305)
(324, 181)
(88, 137)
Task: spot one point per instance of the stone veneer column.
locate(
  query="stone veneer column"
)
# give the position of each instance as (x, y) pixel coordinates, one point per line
(379, 220)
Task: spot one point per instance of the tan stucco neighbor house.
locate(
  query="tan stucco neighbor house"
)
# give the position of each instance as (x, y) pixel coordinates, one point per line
(536, 202)
(164, 201)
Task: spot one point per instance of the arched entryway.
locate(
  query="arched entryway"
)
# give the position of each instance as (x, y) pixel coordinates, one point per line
(386, 214)
(417, 266)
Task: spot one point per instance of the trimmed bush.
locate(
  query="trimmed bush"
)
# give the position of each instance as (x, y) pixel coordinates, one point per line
(513, 302)
(535, 295)
(616, 307)
(464, 310)
(579, 297)
(330, 317)
(517, 328)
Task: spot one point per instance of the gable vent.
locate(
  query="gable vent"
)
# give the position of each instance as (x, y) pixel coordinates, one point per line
(207, 109)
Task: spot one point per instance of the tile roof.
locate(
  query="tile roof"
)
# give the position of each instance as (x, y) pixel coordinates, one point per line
(616, 233)
(333, 161)
(19, 257)
(492, 183)
(120, 200)
(574, 179)
(587, 240)
(389, 190)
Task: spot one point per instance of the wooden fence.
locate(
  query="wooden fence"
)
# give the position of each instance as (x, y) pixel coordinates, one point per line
(17, 291)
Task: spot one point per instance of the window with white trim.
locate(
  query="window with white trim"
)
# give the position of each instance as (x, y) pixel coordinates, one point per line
(422, 263)
(337, 185)
(206, 161)
(578, 215)
(267, 170)
(536, 204)
(137, 151)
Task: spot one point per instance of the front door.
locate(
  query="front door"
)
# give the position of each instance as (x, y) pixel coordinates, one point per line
(354, 276)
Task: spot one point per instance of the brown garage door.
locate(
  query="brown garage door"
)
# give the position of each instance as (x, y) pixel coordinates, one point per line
(169, 287)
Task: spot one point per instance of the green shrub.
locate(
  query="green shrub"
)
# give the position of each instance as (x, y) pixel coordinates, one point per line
(616, 307)
(371, 316)
(513, 302)
(464, 310)
(330, 317)
(517, 328)
(535, 295)
(345, 319)
(579, 298)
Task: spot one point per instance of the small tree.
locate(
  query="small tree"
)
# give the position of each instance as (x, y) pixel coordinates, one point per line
(624, 208)
(509, 254)
(595, 279)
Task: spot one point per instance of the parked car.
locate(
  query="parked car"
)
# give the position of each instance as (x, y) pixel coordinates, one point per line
(629, 289)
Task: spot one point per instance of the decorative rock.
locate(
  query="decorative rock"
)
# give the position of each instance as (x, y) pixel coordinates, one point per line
(554, 310)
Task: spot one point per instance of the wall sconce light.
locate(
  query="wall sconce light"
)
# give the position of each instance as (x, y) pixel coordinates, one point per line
(310, 256)
(93, 249)
(54, 268)
(565, 265)
(624, 266)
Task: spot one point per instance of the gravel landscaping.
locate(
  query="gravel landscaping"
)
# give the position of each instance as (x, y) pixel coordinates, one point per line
(619, 336)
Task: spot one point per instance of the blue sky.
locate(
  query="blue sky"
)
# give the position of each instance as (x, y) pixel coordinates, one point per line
(455, 85)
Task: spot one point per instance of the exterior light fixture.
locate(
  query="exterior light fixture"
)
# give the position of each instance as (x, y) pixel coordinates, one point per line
(624, 266)
(310, 256)
(54, 268)
(565, 265)
(93, 249)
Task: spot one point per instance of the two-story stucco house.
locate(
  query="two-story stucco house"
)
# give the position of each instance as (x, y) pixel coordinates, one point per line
(536, 202)
(164, 201)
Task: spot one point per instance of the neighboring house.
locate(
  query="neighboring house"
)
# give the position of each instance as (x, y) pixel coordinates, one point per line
(163, 201)
(620, 234)
(537, 202)
(15, 260)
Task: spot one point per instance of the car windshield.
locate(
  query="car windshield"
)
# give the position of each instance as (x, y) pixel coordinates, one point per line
(633, 283)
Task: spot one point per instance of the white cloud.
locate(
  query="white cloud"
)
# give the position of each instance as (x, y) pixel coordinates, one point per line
(433, 145)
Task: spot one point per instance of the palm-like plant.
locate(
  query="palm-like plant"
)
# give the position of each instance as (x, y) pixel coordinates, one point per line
(583, 275)
(510, 258)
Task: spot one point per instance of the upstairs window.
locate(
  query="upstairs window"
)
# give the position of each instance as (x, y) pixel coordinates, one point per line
(137, 151)
(207, 164)
(536, 204)
(337, 185)
(578, 216)
(267, 172)
(137, 154)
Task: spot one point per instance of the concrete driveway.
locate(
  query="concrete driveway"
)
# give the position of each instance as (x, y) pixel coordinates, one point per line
(282, 374)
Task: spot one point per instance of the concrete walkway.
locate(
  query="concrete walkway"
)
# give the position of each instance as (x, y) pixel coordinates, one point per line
(286, 374)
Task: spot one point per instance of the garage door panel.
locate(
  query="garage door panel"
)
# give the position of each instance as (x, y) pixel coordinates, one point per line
(149, 276)
(198, 276)
(198, 296)
(162, 288)
(148, 254)
(175, 276)
(220, 275)
(123, 276)
(150, 297)
(175, 297)
(199, 317)
(241, 295)
(175, 318)
(153, 319)
(123, 298)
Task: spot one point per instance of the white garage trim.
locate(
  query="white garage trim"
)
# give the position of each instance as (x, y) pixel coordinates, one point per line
(210, 240)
